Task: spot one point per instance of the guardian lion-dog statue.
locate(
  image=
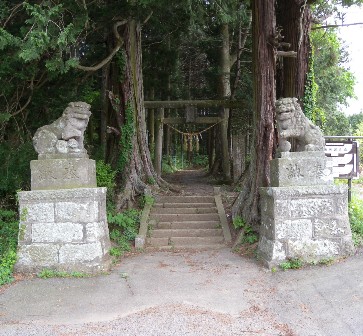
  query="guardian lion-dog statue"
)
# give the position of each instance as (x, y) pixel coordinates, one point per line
(292, 123)
(65, 135)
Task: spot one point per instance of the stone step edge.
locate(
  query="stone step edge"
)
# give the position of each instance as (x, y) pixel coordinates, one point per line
(183, 233)
(182, 248)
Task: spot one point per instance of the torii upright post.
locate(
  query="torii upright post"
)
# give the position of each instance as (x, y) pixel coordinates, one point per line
(159, 140)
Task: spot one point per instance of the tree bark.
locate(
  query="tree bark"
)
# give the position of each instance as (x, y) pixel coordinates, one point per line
(294, 17)
(140, 170)
(225, 92)
(247, 203)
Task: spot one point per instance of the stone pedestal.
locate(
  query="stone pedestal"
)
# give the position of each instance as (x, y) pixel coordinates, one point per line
(63, 230)
(304, 215)
(51, 174)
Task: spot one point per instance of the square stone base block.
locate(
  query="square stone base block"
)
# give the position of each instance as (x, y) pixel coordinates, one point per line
(63, 230)
(306, 222)
(70, 173)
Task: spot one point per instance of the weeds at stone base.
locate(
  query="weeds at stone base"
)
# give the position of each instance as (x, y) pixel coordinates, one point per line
(48, 273)
(294, 263)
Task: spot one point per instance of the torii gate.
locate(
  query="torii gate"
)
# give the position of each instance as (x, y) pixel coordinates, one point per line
(190, 117)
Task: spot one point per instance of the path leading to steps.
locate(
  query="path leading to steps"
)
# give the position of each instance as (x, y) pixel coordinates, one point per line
(190, 293)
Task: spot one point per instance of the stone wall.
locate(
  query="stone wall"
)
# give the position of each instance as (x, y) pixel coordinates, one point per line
(64, 230)
(303, 214)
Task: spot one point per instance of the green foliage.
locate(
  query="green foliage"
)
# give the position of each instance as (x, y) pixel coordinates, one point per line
(105, 175)
(250, 236)
(311, 88)
(356, 220)
(14, 167)
(116, 252)
(49, 273)
(335, 83)
(9, 227)
(239, 223)
(359, 132)
(293, 263)
(147, 199)
(124, 228)
(126, 139)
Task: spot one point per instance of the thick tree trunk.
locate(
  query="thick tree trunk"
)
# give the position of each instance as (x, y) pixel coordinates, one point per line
(239, 145)
(225, 92)
(247, 203)
(140, 169)
(294, 17)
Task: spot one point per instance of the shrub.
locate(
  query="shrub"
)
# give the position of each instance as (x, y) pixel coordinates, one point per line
(9, 227)
(356, 220)
(105, 176)
(250, 236)
(124, 228)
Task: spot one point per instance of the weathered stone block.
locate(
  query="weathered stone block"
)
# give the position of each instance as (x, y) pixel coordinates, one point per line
(63, 195)
(63, 174)
(331, 227)
(301, 169)
(36, 256)
(294, 229)
(74, 253)
(57, 232)
(25, 233)
(97, 231)
(271, 251)
(76, 212)
(306, 222)
(63, 229)
(311, 207)
(37, 212)
(312, 250)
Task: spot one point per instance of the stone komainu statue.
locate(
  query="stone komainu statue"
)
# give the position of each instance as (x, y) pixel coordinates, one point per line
(292, 123)
(65, 135)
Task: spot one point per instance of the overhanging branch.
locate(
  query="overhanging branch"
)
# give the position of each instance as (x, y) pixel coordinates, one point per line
(119, 43)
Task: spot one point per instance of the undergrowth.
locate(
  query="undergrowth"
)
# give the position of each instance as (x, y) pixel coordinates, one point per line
(124, 227)
(356, 220)
(249, 236)
(9, 227)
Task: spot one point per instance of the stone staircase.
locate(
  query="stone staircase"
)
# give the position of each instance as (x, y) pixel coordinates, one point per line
(196, 222)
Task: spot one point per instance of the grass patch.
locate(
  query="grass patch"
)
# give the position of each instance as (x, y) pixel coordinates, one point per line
(293, 263)
(356, 220)
(49, 273)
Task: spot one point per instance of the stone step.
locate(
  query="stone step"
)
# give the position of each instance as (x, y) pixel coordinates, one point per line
(184, 199)
(184, 210)
(184, 205)
(193, 242)
(186, 247)
(188, 225)
(184, 217)
(171, 233)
